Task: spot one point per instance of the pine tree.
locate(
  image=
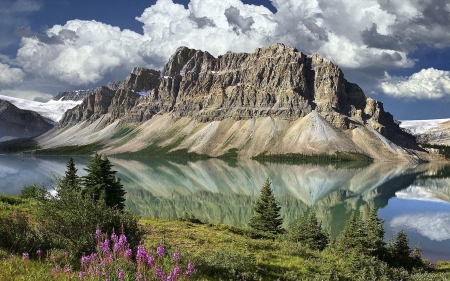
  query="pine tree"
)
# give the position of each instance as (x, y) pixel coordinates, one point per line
(70, 181)
(353, 235)
(101, 181)
(374, 239)
(401, 251)
(267, 212)
(308, 231)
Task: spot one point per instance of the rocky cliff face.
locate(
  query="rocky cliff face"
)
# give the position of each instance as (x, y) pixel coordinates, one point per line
(18, 123)
(276, 85)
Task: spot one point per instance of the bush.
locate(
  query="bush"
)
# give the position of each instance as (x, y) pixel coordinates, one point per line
(18, 235)
(71, 219)
(33, 192)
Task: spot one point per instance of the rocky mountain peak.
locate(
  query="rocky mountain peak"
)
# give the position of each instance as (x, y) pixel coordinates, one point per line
(275, 82)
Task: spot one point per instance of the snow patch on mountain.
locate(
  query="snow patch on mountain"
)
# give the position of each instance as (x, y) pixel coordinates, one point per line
(418, 127)
(52, 110)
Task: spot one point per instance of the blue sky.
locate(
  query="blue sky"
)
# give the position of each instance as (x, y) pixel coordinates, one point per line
(397, 51)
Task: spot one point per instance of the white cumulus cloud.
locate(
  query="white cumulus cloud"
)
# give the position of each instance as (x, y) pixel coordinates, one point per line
(80, 52)
(426, 84)
(10, 76)
(435, 226)
(371, 36)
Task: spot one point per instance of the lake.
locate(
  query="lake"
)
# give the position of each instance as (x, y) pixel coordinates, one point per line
(408, 196)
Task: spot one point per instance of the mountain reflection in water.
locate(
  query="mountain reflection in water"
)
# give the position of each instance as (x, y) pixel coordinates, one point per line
(408, 196)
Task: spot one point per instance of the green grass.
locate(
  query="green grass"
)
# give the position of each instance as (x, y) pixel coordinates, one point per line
(71, 150)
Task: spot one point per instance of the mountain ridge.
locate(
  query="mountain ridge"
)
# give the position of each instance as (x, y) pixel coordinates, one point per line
(251, 102)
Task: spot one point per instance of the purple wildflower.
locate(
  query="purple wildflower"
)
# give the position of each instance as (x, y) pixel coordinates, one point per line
(128, 253)
(171, 276)
(176, 256)
(190, 269)
(26, 256)
(120, 274)
(138, 276)
(114, 237)
(122, 239)
(84, 260)
(141, 254)
(160, 274)
(98, 233)
(160, 251)
(56, 269)
(67, 269)
(11, 256)
(14, 214)
(81, 274)
(151, 261)
(104, 246)
(29, 216)
(176, 270)
(66, 255)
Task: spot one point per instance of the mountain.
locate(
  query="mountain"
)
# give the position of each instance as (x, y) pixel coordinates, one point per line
(52, 111)
(435, 131)
(275, 100)
(18, 123)
(80, 95)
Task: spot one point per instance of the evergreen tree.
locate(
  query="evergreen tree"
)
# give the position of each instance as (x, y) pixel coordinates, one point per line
(401, 250)
(308, 231)
(353, 236)
(70, 180)
(374, 239)
(101, 182)
(267, 212)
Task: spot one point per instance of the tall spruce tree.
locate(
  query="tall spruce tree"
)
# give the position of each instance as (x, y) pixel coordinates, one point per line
(353, 235)
(267, 212)
(374, 239)
(71, 181)
(101, 182)
(308, 231)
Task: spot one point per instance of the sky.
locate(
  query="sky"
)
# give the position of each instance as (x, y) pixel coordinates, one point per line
(398, 52)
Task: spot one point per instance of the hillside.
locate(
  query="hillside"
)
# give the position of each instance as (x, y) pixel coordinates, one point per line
(18, 123)
(276, 100)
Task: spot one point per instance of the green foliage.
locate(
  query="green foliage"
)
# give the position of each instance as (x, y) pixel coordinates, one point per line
(33, 192)
(71, 218)
(308, 231)
(267, 212)
(18, 234)
(318, 158)
(101, 181)
(71, 179)
(11, 200)
(71, 149)
(353, 235)
(374, 231)
(18, 145)
(190, 218)
(443, 150)
(226, 263)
